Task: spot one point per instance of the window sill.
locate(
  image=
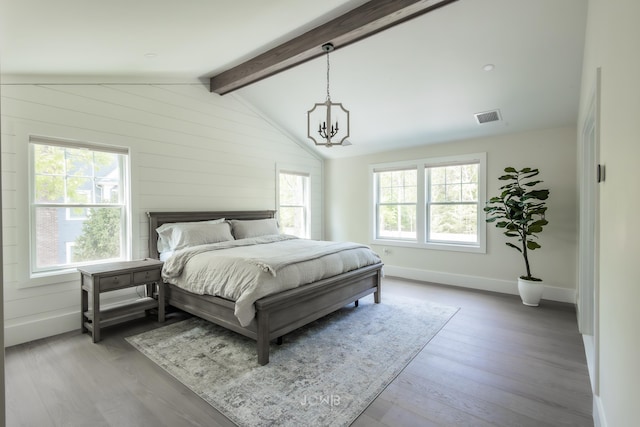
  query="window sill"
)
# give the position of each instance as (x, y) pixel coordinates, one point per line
(480, 249)
(51, 278)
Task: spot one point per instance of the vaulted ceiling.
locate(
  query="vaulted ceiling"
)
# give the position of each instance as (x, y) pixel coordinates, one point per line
(420, 82)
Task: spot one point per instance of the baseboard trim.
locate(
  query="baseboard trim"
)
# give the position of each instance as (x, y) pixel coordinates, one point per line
(598, 413)
(41, 328)
(44, 327)
(475, 282)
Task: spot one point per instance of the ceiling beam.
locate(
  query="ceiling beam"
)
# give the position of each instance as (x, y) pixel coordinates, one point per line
(357, 24)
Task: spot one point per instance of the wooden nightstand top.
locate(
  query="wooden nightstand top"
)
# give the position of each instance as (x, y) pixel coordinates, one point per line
(120, 266)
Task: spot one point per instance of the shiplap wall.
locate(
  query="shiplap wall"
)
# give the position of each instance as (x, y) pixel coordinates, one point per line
(189, 150)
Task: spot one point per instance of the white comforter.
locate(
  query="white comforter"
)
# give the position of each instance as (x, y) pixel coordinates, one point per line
(246, 270)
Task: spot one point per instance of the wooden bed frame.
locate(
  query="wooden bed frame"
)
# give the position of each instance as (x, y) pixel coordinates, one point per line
(276, 314)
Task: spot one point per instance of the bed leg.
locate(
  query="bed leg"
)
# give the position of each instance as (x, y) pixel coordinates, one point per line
(356, 303)
(377, 295)
(279, 340)
(263, 338)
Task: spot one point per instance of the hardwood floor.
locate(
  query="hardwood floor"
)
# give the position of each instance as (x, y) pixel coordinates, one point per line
(496, 363)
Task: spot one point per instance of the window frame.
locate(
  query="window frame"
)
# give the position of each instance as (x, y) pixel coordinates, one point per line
(378, 204)
(124, 204)
(422, 205)
(306, 197)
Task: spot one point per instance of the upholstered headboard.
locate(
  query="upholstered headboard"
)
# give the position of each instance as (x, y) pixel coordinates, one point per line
(156, 219)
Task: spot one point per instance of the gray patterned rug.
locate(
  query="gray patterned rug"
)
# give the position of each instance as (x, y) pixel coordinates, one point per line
(324, 374)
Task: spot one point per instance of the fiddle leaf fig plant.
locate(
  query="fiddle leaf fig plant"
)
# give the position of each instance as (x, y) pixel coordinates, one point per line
(520, 211)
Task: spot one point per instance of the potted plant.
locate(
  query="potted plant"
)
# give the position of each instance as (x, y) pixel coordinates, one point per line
(520, 211)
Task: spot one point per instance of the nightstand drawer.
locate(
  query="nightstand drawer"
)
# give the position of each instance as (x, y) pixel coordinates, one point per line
(146, 276)
(115, 281)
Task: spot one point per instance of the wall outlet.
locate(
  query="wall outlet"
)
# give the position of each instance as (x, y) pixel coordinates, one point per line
(386, 251)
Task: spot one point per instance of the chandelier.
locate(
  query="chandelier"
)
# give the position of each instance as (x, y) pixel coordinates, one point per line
(328, 122)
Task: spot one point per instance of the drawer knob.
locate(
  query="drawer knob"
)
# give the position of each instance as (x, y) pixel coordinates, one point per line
(115, 279)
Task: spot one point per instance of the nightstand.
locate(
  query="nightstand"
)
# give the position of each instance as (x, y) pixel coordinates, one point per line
(96, 279)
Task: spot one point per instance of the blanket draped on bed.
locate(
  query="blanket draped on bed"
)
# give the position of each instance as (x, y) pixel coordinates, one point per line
(246, 270)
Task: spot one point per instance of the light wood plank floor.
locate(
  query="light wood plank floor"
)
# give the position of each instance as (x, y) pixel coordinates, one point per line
(496, 363)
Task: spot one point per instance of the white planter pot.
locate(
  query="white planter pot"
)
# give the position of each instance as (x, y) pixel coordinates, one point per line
(530, 291)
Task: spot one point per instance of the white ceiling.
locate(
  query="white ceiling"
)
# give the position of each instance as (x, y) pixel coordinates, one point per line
(416, 83)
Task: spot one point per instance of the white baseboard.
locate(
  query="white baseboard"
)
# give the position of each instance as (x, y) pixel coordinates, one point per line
(475, 282)
(43, 327)
(598, 413)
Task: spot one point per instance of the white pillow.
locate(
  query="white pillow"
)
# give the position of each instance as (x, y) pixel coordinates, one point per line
(243, 229)
(177, 235)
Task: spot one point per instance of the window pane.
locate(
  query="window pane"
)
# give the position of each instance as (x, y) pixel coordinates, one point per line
(438, 193)
(49, 189)
(79, 189)
(397, 221)
(63, 239)
(397, 186)
(106, 165)
(453, 223)
(453, 174)
(292, 220)
(470, 173)
(291, 189)
(438, 176)
(457, 183)
(453, 193)
(49, 160)
(469, 192)
(78, 162)
(293, 210)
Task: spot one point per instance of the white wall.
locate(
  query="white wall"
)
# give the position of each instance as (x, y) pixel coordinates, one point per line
(189, 150)
(613, 43)
(553, 151)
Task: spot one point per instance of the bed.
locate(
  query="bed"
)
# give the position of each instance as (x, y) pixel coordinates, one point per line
(276, 314)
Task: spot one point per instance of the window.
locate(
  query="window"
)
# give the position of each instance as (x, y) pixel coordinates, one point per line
(397, 203)
(78, 204)
(430, 203)
(293, 201)
(452, 204)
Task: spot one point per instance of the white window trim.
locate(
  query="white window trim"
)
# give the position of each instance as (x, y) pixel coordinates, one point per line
(65, 273)
(306, 174)
(421, 214)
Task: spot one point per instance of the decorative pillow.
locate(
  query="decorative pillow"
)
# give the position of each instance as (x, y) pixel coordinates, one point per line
(178, 235)
(243, 229)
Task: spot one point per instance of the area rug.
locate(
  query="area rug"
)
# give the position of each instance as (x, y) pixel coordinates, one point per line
(324, 374)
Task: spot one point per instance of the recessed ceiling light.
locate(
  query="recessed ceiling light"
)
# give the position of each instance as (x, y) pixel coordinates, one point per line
(488, 67)
(150, 55)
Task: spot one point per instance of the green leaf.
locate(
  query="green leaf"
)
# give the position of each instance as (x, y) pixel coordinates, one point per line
(510, 169)
(537, 194)
(540, 222)
(531, 245)
(534, 229)
(514, 246)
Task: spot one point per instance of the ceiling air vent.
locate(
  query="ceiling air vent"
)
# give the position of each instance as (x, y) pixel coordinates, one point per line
(488, 116)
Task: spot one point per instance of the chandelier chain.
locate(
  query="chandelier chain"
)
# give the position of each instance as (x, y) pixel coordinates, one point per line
(328, 96)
